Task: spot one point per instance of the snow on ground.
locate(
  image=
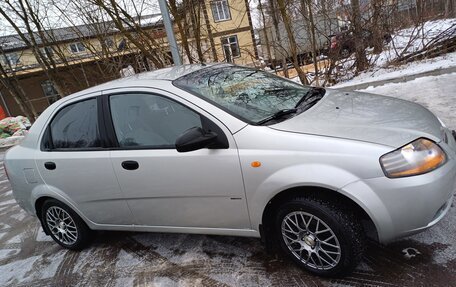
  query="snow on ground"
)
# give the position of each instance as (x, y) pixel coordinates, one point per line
(404, 42)
(380, 74)
(415, 38)
(437, 93)
(10, 141)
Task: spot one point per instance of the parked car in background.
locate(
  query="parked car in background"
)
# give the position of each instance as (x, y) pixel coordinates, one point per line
(227, 150)
(343, 44)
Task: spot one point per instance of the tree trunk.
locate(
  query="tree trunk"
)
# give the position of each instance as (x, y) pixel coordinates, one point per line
(313, 41)
(196, 27)
(275, 22)
(266, 37)
(291, 41)
(377, 29)
(361, 59)
(178, 19)
(209, 33)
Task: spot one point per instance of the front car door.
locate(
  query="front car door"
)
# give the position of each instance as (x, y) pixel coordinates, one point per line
(165, 188)
(74, 164)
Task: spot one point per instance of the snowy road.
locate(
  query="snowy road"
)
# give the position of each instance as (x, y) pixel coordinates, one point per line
(29, 258)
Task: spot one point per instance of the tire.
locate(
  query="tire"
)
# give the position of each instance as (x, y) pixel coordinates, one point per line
(71, 232)
(331, 245)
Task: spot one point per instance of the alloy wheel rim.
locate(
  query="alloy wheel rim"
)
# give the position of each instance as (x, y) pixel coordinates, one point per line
(61, 225)
(311, 240)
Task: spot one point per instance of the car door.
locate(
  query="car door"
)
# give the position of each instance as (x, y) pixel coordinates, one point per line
(163, 187)
(75, 165)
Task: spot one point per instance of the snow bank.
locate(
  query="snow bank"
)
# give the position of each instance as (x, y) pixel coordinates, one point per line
(380, 74)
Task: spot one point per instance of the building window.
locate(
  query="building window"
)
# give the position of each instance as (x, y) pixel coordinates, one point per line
(50, 92)
(122, 45)
(108, 43)
(231, 49)
(11, 59)
(220, 10)
(47, 51)
(77, 47)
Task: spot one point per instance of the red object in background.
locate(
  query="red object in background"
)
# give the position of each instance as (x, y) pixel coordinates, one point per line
(2, 113)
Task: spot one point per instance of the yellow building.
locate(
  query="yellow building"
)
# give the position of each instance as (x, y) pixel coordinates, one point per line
(232, 30)
(87, 55)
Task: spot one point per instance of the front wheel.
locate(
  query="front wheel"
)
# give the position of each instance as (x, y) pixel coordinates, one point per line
(64, 225)
(319, 236)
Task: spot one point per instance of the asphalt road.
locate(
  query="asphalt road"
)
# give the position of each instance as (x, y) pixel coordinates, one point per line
(30, 258)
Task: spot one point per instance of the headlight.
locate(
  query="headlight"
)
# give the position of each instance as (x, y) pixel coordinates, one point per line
(417, 157)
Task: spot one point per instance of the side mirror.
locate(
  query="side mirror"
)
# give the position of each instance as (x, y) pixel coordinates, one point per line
(195, 138)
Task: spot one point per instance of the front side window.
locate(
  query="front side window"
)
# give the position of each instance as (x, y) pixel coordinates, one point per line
(231, 48)
(50, 92)
(77, 47)
(145, 120)
(75, 127)
(251, 95)
(220, 10)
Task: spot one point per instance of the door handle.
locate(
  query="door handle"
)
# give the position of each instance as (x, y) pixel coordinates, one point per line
(50, 165)
(130, 165)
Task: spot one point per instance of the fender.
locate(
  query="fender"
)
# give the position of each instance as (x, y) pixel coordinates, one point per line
(367, 199)
(43, 190)
(314, 175)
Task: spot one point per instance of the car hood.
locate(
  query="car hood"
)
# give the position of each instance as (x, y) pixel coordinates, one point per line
(365, 117)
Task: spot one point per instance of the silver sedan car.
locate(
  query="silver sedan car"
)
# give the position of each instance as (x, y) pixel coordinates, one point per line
(228, 150)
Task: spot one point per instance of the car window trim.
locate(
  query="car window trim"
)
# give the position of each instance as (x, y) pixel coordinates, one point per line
(109, 131)
(47, 135)
(112, 137)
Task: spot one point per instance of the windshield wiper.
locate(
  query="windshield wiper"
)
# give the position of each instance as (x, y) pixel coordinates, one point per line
(277, 115)
(313, 92)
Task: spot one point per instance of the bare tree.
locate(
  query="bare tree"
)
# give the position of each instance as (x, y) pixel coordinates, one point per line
(307, 12)
(275, 21)
(10, 82)
(360, 53)
(292, 42)
(265, 30)
(23, 17)
(129, 26)
(180, 18)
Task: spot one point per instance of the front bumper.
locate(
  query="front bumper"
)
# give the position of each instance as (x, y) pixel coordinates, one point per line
(438, 216)
(404, 206)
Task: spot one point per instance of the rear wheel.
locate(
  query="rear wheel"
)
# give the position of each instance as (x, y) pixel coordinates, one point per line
(65, 226)
(319, 236)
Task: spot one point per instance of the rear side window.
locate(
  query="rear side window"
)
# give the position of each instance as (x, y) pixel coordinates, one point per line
(75, 127)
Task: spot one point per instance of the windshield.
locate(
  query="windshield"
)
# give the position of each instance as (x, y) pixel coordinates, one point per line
(249, 94)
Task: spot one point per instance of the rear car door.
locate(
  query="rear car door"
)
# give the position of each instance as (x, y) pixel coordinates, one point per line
(163, 187)
(74, 163)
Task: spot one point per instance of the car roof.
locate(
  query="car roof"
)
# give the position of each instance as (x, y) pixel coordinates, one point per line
(165, 74)
(170, 73)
